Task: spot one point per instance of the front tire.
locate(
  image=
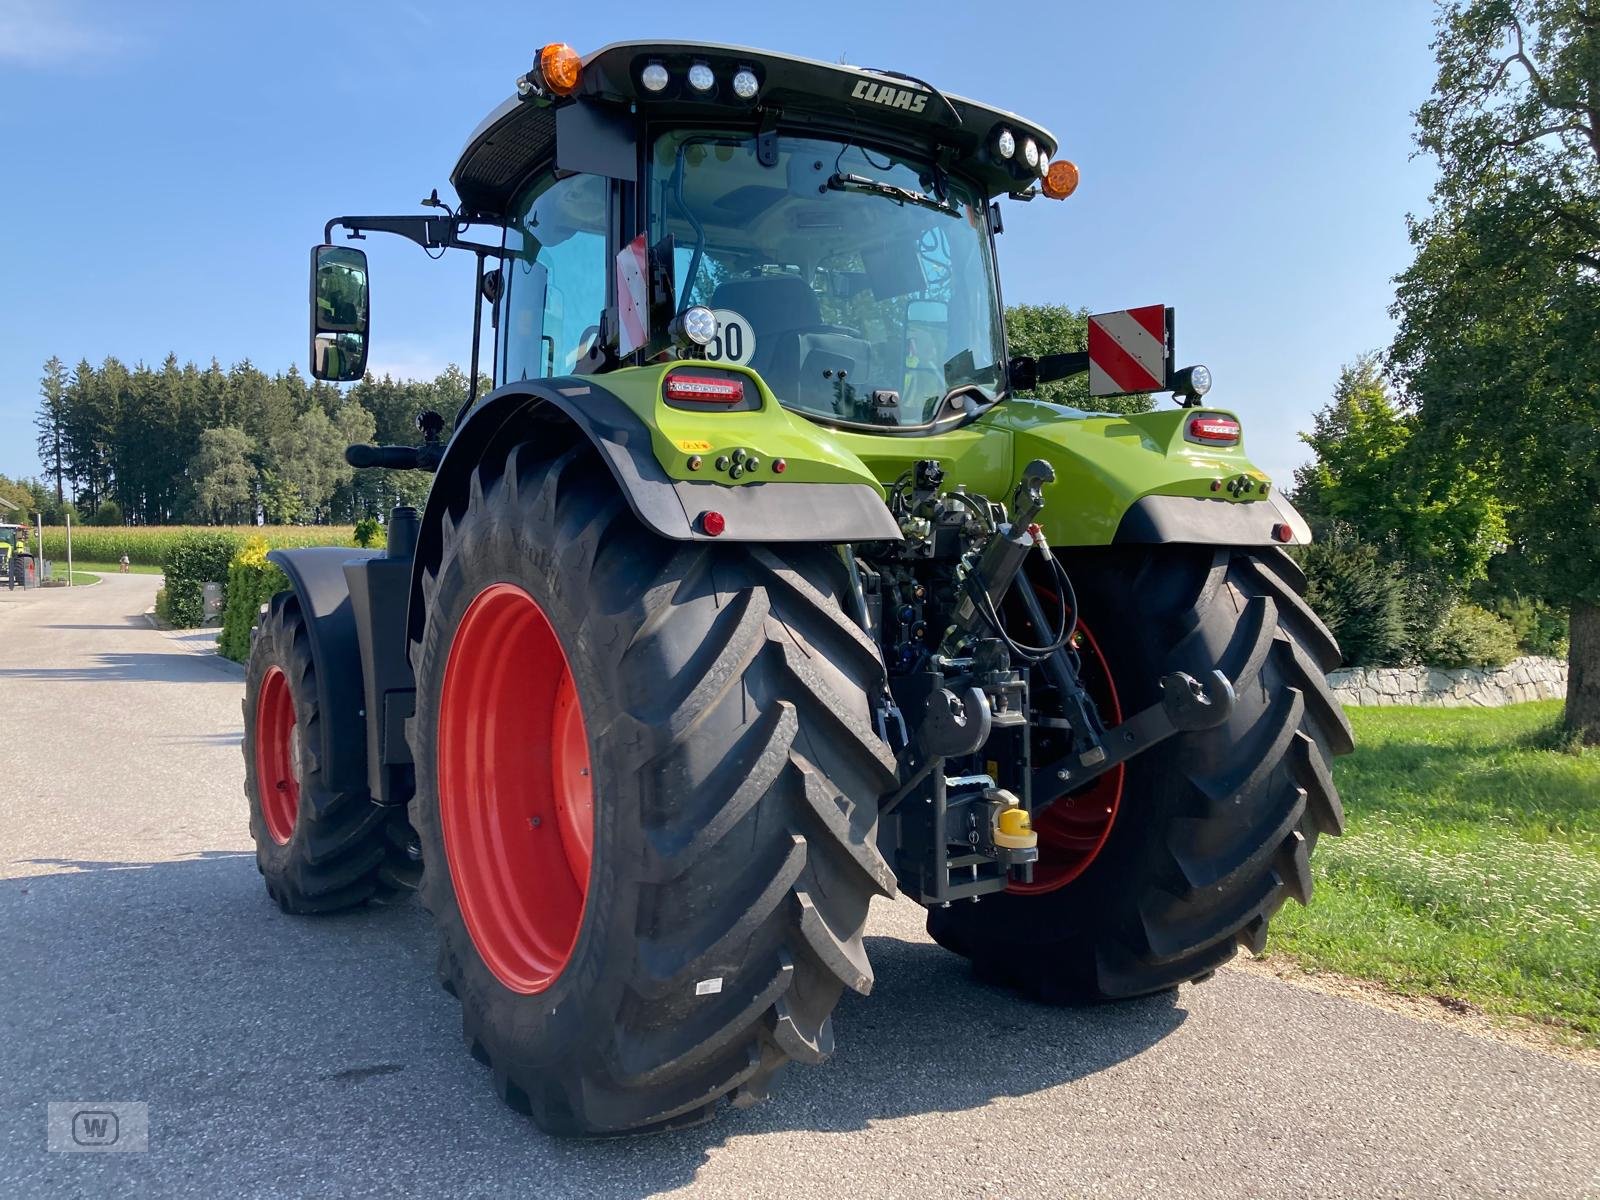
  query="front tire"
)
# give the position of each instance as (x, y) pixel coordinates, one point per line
(319, 850)
(689, 931)
(1213, 830)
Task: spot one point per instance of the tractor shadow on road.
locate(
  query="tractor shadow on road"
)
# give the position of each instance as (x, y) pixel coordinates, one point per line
(181, 984)
(133, 667)
(933, 1037)
(130, 621)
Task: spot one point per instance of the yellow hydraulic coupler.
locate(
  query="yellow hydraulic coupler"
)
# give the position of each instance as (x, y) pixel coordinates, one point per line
(1013, 829)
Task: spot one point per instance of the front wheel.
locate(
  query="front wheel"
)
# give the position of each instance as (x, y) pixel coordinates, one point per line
(646, 792)
(1157, 872)
(318, 849)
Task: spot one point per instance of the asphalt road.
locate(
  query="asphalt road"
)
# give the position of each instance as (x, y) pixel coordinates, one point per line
(140, 959)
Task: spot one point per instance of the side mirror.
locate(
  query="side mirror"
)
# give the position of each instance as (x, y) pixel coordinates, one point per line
(339, 315)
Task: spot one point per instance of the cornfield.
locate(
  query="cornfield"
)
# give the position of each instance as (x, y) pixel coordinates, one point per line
(148, 544)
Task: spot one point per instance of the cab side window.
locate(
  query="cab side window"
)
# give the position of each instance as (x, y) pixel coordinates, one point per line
(555, 277)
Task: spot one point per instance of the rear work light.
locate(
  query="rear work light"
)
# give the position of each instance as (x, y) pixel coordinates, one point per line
(1216, 431)
(698, 389)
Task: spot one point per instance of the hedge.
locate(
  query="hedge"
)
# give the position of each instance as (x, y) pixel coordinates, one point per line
(148, 545)
(252, 580)
(1472, 637)
(1540, 628)
(192, 560)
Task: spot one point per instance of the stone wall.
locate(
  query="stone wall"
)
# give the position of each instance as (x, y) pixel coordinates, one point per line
(1519, 680)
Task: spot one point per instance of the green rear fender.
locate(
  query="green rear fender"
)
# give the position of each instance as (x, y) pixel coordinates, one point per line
(769, 433)
(1139, 478)
(1134, 479)
(759, 474)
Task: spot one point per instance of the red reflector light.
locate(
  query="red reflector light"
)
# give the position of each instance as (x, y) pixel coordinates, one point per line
(713, 523)
(1214, 429)
(1282, 533)
(698, 389)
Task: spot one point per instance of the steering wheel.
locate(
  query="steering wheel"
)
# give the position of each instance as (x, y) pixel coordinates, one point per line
(843, 330)
(929, 377)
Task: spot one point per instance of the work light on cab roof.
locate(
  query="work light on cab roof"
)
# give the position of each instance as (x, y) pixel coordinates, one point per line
(670, 73)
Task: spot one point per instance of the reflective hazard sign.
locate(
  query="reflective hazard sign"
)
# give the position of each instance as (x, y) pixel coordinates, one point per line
(1129, 351)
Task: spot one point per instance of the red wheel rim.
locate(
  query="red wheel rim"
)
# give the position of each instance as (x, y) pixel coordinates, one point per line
(1074, 829)
(516, 800)
(277, 755)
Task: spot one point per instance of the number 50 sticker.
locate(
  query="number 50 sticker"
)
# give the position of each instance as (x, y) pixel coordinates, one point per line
(735, 341)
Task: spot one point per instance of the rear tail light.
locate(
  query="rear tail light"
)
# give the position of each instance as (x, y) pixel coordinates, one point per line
(700, 389)
(1215, 431)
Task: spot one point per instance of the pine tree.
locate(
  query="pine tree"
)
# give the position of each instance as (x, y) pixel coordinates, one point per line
(52, 410)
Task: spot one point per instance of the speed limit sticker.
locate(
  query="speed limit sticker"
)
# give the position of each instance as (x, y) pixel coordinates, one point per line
(735, 341)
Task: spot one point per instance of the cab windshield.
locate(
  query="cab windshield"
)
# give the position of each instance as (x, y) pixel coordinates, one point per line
(859, 284)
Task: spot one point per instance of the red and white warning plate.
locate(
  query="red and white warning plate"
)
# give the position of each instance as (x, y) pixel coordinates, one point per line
(633, 296)
(1128, 351)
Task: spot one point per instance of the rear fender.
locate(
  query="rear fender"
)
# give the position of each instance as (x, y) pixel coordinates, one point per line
(557, 412)
(1139, 479)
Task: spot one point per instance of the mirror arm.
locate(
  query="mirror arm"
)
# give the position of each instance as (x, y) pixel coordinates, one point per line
(477, 333)
(1028, 372)
(431, 233)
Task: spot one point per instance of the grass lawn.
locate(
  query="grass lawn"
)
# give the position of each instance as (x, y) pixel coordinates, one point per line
(80, 578)
(1469, 869)
(110, 568)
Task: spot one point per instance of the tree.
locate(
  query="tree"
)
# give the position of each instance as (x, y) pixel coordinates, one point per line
(222, 475)
(48, 421)
(280, 500)
(1361, 598)
(21, 500)
(311, 456)
(1055, 329)
(1370, 478)
(1357, 439)
(1497, 347)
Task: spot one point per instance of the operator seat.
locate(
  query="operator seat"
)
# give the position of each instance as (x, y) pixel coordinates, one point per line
(793, 345)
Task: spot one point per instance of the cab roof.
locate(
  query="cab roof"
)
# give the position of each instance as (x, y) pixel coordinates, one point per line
(519, 136)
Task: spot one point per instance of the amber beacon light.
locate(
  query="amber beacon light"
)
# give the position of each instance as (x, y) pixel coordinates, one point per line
(559, 67)
(1061, 180)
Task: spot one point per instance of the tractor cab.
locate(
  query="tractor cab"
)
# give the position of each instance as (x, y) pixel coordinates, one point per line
(859, 284)
(831, 225)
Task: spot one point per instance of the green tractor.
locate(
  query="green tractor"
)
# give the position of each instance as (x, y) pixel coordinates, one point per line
(15, 561)
(732, 607)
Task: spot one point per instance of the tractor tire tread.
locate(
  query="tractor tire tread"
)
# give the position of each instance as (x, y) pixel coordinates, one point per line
(741, 706)
(343, 845)
(1236, 810)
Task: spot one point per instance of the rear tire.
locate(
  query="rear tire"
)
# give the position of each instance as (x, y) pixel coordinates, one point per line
(319, 850)
(1214, 830)
(725, 699)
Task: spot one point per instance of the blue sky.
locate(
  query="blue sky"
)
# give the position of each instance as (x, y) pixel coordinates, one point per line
(169, 165)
